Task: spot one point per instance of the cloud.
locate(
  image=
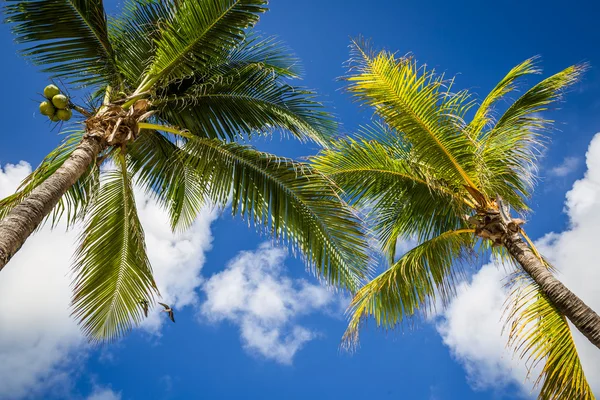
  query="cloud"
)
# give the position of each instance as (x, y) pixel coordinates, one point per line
(11, 176)
(253, 293)
(104, 393)
(568, 166)
(471, 325)
(39, 341)
(38, 337)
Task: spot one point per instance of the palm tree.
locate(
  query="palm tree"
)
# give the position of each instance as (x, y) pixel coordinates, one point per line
(424, 173)
(174, 84)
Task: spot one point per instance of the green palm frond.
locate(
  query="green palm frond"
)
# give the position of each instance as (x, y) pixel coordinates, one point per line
(241, 100)
(510, 148)
(291, 201)
(420, 105)
(405, 198)
(541, 334)
(484, 115)
(412, 284)
(74, 203)
(200, 31)
(268, 52)
(68, 37)
(112, 271)
(159, 166)
(133, 34)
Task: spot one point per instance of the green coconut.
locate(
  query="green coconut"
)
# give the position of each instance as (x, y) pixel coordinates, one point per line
(50, 91)
(54, 118)
(46, 108)
(60, 101)
(64, 115)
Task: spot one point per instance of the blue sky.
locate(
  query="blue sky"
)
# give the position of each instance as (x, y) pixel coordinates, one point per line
(217, 349)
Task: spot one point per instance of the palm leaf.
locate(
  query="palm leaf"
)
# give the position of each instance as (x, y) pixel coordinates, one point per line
(484, 115)
(112, 271)
(404, 197)
(68, 37)
(158, 166)
(200, 31)
(242, 101)
(540, 333)
(293, 202)
(412, 284)
(510, 148)
(418, 104)
(134, 34)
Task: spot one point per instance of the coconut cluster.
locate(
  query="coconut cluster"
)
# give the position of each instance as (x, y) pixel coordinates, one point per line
(56, 107)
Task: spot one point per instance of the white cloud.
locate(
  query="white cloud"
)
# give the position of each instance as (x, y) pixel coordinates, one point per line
(253, 294)
(471, 325)
(37, 337)
(568, 166)
(39, 342)
(104, 393)
(11, 177)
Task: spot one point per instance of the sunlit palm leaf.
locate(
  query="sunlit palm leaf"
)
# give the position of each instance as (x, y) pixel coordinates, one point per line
(510, 149)
(540, 333)
(412, 284)
(484, 116)
(419, 105)
(404, 197)
(112, 271)
(68, 37)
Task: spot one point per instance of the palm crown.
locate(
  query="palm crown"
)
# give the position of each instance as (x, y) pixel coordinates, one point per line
(173, 85)
(423, 173)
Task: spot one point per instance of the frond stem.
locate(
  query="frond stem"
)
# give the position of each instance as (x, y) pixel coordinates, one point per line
(158, 127)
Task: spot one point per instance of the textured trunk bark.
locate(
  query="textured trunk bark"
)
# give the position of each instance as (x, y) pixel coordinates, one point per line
(580, 315)
(22, 220)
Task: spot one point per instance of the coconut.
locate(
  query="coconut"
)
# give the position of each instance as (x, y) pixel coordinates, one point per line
(54, 118)
(60, 101)
(50, 91)
(46, 108)
(64, 115)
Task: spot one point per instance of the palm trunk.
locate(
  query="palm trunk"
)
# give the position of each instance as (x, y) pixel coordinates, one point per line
(580, 315)
(22, 220)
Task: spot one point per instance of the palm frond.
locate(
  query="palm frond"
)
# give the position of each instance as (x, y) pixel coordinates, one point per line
(291, 201)
(484, 115)
(244, 101)
(75, 201)
(509, 150)
(134, 34)
(412, 284)
(68, 37)
(112, 272)
(268, 52)
(418, 104)
(200, 31)
(158, 165)
(541, 334)
(405, 197)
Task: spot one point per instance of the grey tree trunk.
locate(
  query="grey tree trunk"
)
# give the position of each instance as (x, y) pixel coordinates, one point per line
(580, 315)
(22, 220)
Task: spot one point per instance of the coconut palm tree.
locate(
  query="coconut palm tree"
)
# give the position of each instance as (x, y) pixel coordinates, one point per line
(423, 173)
(173, 84)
